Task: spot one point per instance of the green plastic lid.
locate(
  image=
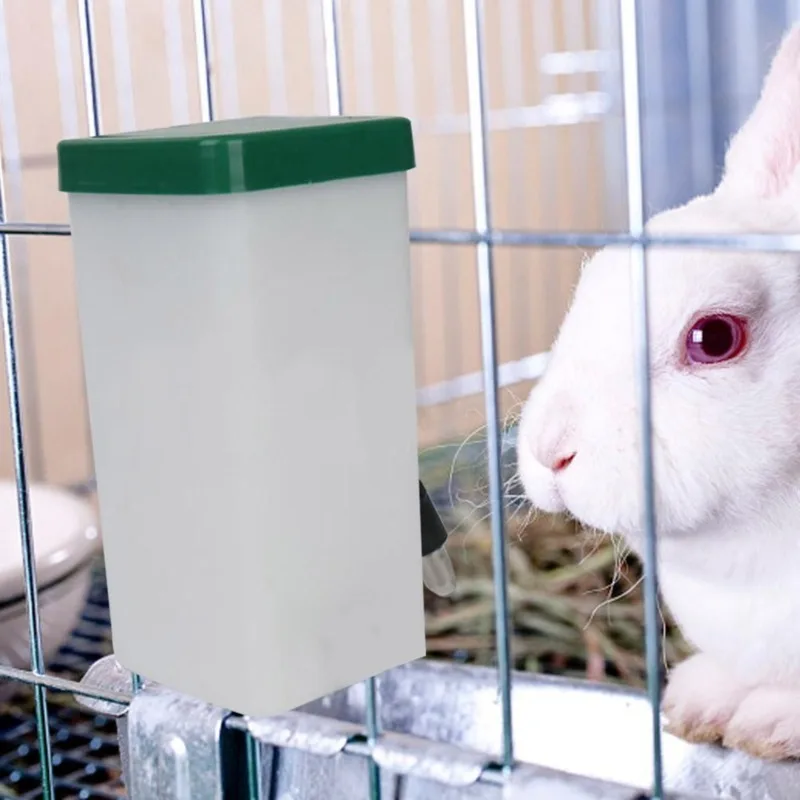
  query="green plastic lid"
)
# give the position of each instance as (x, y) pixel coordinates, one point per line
(242, 155)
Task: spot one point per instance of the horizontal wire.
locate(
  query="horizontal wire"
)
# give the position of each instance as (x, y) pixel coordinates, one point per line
(759, 242)
(64, 685)
(753, 242)
(33, 229)
(359, 746)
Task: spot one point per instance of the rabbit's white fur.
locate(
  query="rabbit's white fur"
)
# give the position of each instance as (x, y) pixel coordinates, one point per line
(726, 436)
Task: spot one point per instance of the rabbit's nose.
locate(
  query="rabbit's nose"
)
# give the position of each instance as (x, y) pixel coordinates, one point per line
(560, 462)
(549, 431)
(555, 454)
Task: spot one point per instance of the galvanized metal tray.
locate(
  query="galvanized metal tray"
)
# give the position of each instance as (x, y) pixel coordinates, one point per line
(441, 738)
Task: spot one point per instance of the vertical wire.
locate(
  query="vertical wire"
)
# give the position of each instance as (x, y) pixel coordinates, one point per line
(316, 34)
(203, 50)
(89, 56)
(473, 29)
(635, 191)
(23, 500)
(253, 758)
(373, 732)
(92, 101)
(333, 76)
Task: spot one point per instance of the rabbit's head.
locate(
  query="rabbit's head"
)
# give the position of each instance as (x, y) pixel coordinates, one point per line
(725, 354)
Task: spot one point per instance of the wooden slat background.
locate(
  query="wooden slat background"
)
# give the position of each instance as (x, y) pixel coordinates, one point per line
(398, 56)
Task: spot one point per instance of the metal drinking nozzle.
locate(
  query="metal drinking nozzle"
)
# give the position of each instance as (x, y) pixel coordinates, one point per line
(437, 568)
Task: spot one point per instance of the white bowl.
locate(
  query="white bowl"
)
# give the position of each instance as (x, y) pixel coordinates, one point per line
(66, 539)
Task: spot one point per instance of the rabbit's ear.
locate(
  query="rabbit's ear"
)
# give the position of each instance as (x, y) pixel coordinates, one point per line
(765, 153)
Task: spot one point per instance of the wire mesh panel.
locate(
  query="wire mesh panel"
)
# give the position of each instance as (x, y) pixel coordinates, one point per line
(543, 130)
(85, 760)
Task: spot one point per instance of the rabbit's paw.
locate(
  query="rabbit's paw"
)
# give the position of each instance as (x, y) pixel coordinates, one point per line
(700, 699)
(767, 724)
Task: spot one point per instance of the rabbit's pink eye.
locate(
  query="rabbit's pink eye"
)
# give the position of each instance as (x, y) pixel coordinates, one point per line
(715, 338)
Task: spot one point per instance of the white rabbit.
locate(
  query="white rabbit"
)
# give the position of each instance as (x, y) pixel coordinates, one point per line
(725, 331)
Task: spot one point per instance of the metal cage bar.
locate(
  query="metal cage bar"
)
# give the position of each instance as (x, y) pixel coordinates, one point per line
(636, 217)
(89, 59)
(330, 35)
(474, 34)
(499, 237)
(203, 48)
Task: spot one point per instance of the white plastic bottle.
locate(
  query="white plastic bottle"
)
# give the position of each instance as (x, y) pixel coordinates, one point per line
(244, 300)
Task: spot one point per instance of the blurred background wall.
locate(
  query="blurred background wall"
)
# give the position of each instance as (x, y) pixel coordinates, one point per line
(555, 142)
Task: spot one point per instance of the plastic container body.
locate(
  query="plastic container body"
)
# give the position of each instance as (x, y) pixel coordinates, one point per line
(250, 380)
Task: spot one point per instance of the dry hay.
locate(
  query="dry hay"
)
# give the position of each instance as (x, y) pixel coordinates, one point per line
(575, 597)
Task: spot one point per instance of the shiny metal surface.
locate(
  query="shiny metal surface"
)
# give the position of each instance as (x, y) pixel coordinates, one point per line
(629, 38)
(476, 92)
(33, 229)
(373, 734)
(327, 760)
(534, 782)
(89, 58)
(593, 730)
(109, 677)
(310, 733)
(203, 49)
(430, 761)
(105, 699)
(102, 684)
(442, 738)
(174, 747)
(330, 33)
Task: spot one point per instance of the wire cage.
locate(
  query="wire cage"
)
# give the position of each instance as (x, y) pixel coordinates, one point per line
(498, 240)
